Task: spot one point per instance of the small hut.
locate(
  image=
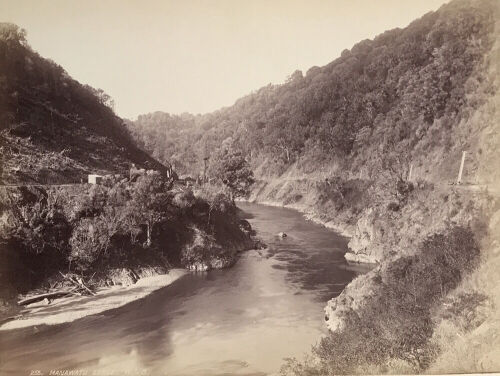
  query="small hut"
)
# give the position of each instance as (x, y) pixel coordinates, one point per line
(95, 179)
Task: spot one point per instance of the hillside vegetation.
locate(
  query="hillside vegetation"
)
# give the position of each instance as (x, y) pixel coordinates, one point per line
(136, 222)
(52, 128)
(338, 143)
(106, 231)
(407, 95)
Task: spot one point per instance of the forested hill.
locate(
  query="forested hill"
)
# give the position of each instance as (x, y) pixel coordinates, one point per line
(407, 96)
(52, 128)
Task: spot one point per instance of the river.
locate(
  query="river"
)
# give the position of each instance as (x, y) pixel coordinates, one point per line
(238, 321)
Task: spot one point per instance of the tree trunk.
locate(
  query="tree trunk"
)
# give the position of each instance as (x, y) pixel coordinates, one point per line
(148, 232)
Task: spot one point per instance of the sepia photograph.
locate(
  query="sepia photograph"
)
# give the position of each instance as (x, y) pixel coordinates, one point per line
(249, 188)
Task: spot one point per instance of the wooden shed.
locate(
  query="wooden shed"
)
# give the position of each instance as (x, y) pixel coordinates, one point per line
(95, 179)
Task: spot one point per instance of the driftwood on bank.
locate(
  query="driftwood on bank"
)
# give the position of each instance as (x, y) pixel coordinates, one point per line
(79, 288)
(78, 282)
(49, 295)
(10, 318)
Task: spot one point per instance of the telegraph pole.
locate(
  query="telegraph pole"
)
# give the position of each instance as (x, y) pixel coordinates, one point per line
(205, 169)
(459, 177)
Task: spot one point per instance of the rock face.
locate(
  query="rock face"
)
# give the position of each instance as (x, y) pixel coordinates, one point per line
(363, 245)
(339, 309)
(360, 258)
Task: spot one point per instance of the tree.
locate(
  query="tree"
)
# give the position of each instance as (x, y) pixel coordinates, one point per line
(39, 225)
(12, 33)
(230, 168)
(105, 98)
(90, 239)
(149, 201)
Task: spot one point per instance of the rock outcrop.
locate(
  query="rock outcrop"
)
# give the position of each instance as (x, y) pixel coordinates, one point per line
(368, 232)
(354, 296)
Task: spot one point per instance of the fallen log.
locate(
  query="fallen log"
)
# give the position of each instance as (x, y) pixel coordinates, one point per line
(49, 295)
(78, 283)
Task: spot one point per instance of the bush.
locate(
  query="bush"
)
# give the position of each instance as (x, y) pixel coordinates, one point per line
(403, 188)
(395, 323)
(93, 228)
(90, 240)
(393, 206)
(203, 251)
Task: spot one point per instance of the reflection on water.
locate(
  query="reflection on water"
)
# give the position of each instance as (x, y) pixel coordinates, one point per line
(239, 321)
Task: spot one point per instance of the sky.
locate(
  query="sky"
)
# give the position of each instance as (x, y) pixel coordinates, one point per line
(198, 55)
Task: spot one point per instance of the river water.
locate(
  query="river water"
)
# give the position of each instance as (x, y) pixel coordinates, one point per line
(239, 321)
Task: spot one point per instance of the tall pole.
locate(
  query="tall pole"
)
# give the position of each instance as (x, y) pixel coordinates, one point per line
(205, 169)
(459, 178)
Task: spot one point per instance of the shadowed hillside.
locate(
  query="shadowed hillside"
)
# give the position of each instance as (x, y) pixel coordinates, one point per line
(52, 128)
(53, 132)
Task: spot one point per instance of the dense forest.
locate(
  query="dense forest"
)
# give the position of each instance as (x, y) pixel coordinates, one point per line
(404, 96)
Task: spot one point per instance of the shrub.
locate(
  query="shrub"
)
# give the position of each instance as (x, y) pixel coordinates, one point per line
(462, 310)
(203, 250)
(403, 188)
(184, 199)
(90, 240)
(393, 206)
(395, 323)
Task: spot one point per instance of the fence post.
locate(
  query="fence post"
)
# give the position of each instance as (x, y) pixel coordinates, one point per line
(409, 173)
(459, 177)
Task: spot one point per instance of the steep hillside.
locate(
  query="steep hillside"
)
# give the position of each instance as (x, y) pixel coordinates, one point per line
(405, 97)
(52, 128)
(53, 132)
(340, 141)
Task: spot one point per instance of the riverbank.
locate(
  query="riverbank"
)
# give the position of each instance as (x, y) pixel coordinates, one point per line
(109, 234)
(69, 309)
(400, 232)
(270, 300)
(310, 215)
(337, 204)
(116, 287)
